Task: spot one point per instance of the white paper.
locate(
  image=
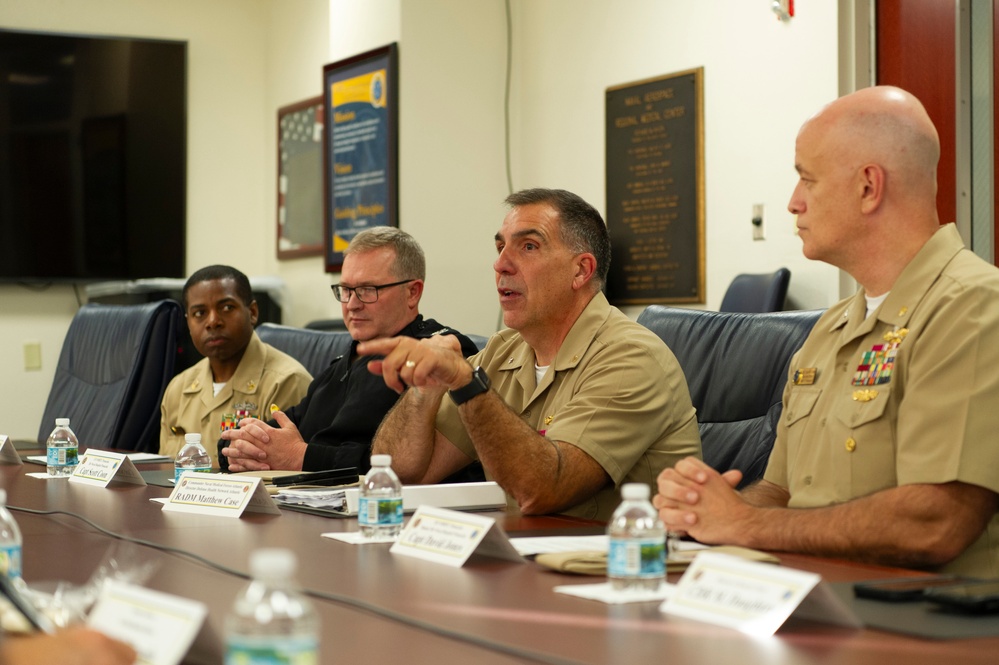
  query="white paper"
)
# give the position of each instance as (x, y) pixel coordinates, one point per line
(355, 538)
(159, 626)
(605, 594)
(457, 496)
(147, 458)
(528, 546)
(137, 458)
(44, 475)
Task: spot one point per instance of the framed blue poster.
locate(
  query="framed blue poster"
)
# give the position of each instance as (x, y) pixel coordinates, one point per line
(360, 148)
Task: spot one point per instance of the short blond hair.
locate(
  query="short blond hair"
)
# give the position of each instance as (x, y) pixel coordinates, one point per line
(410, 263)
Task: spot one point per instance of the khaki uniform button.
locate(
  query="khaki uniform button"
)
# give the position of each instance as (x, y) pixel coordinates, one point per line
(850, 445)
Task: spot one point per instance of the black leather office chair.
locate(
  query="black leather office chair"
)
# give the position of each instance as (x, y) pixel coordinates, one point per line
(478, 340)
(736, 367)
(115, 363)
(315, 349)
(330, 325)
(757, 293)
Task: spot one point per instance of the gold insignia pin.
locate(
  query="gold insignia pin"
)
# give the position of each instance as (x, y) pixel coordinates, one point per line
(251, 386)
(548, 420)
(195, 385)
(865, 395)
(903, 311)
(804, 376)
(896, 336)
(178, 430)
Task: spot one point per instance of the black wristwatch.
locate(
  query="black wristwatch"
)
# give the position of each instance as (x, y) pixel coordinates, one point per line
(478, 385)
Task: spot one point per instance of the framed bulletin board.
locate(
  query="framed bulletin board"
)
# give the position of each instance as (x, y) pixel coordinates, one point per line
(655, 190)
(300, 179)
(360, 148)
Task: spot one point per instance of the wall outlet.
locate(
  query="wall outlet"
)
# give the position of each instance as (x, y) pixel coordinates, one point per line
(758, 229)
(32, 356)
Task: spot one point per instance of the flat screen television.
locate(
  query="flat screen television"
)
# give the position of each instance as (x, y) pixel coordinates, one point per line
(93, 157)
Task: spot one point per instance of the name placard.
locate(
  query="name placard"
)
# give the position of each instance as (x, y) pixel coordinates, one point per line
(450, 537)
(100, 467)
(8, 454)
(159, 626)
(754, 598)
(220, 494)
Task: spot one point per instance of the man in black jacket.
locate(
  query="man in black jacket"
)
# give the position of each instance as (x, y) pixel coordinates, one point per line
(379, 293)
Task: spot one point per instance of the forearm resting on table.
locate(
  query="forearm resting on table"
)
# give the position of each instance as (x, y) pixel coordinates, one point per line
(542, 475)
(914, 526)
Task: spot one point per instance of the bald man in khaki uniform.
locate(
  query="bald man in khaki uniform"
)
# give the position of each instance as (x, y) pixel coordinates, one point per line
(884, 451)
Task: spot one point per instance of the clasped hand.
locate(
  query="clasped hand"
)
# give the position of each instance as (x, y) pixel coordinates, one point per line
(693, 498)
(256, 446)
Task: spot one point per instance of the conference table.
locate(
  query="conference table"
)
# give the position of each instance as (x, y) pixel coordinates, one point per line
(378, 607)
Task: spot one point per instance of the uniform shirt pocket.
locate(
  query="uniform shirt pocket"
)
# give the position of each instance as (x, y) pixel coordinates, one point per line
(800, 403)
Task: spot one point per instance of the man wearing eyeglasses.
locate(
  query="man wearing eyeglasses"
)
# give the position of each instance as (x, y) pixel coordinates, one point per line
(380, 287)
(570, 402)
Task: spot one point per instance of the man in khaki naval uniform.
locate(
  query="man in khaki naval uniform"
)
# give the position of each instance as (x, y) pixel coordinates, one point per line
(239, 375)
(885, 449)
(583, 399)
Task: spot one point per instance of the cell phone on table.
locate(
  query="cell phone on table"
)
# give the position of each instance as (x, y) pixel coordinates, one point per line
(904, 589)
(981, 597)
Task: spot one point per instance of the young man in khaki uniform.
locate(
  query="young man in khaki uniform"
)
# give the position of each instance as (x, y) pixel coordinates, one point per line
(239, 376)
(583, 399)
(884, 451)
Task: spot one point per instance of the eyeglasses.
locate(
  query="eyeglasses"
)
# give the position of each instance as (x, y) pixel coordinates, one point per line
(366, 294)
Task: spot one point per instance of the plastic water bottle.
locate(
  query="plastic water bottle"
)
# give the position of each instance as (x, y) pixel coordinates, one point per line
(62, 450)
(379, 509)
(192, 457)
(637, 554)
(271, 622)
(10, 542)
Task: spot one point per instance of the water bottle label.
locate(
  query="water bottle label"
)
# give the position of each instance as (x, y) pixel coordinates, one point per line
(636, 558)
(10, 561)
(249, 650)
(179, 471)
(61, 456)
(379, 512)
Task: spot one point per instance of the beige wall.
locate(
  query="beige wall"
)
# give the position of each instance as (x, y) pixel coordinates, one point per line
(247, 58)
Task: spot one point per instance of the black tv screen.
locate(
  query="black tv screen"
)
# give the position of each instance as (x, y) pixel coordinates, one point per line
(93, 155)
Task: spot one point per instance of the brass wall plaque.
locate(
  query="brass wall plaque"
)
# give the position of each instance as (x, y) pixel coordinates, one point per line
(655, 190)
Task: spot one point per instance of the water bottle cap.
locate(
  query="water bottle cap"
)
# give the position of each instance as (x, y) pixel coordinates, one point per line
(635, 491)
(381, 460)
(272, 562)
(62, 422)
(193, 437)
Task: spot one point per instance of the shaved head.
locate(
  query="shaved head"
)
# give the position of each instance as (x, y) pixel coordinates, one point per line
(886, 126)
(866, 195)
